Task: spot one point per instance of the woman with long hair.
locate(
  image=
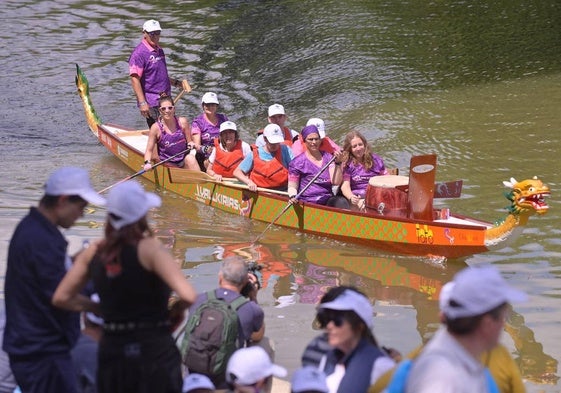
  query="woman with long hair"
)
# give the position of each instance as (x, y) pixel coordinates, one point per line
(168, 136)
(133, 273)
(360, 165)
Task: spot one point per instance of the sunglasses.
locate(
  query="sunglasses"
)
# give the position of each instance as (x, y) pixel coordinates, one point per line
(154, 33)
(324, 316)
(166, 108)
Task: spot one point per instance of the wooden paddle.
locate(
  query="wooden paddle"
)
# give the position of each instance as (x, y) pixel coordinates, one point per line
(142, 171)
(186, 89)
(189, 176)
(296, 197)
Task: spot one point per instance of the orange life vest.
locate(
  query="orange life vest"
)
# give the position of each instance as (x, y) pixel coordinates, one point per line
(226, 161)
(325, 145)
(268, 174)
(287, 135)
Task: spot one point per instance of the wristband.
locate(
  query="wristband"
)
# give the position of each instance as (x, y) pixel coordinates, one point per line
(142, 103)
(147, 161)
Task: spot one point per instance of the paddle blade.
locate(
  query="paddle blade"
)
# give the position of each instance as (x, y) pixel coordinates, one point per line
(421, 186)
(189, 176)
(450, 189)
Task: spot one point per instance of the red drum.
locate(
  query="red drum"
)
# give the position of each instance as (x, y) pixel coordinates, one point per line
(382, 196)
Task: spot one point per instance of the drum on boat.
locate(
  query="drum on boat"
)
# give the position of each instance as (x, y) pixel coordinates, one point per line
(382, 196)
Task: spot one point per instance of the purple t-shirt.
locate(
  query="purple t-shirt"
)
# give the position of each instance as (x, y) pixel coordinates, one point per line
(250, 315)
(303, 170)
(150, 66)
(172, 144)
(207, 130)
(358, 176)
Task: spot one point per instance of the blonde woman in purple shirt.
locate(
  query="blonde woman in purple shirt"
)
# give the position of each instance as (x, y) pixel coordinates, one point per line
(360, 165)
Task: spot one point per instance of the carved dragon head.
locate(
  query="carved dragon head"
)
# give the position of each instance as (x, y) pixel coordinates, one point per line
(527, 196)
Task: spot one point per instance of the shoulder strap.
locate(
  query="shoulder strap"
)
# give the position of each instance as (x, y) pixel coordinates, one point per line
(211, 295)
(238, 302)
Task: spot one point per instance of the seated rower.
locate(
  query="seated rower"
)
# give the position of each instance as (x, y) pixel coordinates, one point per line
(205, 128)
(267, 166)
(278, 116)
(170, 134)
(327, 144)
(228, 152)
(307, 165)
(360, 165)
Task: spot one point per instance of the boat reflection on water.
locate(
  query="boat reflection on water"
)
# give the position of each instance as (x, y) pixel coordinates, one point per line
(302, 273)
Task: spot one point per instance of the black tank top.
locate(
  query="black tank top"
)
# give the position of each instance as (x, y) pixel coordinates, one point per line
(131, 295)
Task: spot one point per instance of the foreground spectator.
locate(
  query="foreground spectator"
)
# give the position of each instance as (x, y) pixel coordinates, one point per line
(38, 336)
(474, 314)
(251, 370)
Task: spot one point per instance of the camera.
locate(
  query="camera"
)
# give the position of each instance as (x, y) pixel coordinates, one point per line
(252, 268)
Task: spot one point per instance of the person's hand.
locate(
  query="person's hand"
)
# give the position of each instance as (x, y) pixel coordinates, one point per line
(217, 177)
(144, 109)
(355, 199)
(147, 167)
(252, 186)
(361, 204)
(191, 146)
(338, 157)
(254, 282)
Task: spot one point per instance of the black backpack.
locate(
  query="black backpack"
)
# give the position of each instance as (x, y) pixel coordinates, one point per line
(211, 336)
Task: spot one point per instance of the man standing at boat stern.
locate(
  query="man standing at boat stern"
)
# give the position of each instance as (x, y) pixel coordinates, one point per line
(38, 337)
(148, 72)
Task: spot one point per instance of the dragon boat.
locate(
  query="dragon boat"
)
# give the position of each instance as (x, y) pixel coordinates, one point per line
(403, 223)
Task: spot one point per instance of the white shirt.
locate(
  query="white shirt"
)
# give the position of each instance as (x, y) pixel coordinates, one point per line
(444, 366)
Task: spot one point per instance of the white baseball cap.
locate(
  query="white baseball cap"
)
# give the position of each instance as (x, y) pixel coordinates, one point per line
(228, 125)
(273, 133)
(351, 300)
(151, 25)
(210, 98)
(320, 125)
(129, 202)
(276, 109)
(249, 365)
(308, 379)
(478, 290)
(445, 292)
(73, 181)
(197, 381)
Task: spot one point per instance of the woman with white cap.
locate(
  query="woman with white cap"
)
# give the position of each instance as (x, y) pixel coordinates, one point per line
(205, 128)
(228, 152)
(132, 273)
(356, 361)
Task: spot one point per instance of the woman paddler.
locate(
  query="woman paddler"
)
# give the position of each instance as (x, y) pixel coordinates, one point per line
(228, 152)
(304, 168)
(170, 134)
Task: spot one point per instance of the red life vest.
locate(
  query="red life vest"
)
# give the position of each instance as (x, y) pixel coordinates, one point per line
(226, 161)
(268, 174)
(325, 145)
(287, 135)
